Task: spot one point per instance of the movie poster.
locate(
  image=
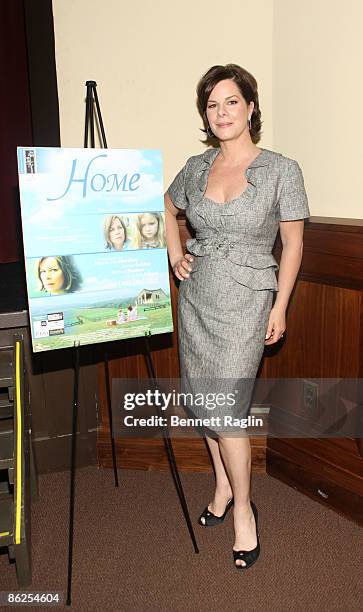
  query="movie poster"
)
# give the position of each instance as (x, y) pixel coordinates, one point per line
(94, 242)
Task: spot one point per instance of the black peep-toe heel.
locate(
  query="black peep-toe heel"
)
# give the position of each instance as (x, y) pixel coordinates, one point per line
(208, 519)
(248, 556)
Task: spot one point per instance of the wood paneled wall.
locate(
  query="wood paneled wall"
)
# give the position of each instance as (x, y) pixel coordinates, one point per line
(324, 339)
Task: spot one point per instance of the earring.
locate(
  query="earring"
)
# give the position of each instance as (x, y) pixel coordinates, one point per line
(249, 123)
(209, 132)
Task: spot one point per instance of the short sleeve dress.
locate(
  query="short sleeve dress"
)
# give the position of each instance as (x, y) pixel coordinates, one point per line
(224, 305)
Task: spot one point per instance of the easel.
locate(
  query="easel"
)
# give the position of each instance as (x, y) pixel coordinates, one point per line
(93, 113)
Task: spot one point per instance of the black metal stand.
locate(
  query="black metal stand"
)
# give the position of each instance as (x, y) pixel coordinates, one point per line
(73, 472)
(169, 447)
(110, 420)
(93, 114)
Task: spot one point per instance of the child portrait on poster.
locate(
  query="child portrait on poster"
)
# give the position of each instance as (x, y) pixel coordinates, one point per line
(149, 231)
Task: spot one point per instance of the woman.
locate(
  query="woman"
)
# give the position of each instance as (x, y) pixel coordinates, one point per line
(115, 233)
(58, 274)
(236, 197)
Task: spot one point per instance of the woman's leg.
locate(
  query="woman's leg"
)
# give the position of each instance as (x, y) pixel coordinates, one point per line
(236, 456)
(223, 492)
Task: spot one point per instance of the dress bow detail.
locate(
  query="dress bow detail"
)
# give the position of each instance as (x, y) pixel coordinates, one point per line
(249, 265)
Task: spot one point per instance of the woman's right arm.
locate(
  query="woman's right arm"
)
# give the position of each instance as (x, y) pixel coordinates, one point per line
(179, 262)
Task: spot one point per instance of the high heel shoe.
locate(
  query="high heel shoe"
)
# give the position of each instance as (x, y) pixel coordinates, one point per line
(208, 519)
(248, 556)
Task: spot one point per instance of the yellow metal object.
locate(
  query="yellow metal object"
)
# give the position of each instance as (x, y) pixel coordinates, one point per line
(19, 439)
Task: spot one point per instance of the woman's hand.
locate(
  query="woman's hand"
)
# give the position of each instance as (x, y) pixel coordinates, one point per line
(276, 325)
(182, 267)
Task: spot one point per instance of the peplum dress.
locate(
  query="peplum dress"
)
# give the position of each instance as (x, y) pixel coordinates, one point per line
(225, 303)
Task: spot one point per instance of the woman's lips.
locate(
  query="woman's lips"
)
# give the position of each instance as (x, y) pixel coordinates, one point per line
(222, 125)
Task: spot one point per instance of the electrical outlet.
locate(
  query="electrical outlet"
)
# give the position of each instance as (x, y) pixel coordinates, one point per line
(310, 391)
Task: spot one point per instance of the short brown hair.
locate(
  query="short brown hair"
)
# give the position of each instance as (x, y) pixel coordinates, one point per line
(72, 277)
(247, 85)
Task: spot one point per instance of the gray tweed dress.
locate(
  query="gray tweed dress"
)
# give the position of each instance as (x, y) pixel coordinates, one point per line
(224, 305)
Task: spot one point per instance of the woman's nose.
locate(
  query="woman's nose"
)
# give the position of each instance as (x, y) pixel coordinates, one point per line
(221, 111)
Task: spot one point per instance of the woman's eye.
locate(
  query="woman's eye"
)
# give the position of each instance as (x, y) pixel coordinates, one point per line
(233, 101)
(211, 106)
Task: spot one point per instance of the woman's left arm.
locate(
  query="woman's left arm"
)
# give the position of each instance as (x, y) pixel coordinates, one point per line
(291, 233)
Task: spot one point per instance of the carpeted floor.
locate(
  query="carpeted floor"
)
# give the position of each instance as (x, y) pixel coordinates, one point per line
(132, 550)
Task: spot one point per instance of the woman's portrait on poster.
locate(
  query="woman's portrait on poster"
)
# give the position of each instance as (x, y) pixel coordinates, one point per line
(58, 274)
(115, 233)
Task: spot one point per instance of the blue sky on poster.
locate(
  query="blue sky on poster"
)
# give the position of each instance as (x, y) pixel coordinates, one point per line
(54, 169)
(61, 226)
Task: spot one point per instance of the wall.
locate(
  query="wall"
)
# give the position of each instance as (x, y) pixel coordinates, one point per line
(146, 58)
(317, 97)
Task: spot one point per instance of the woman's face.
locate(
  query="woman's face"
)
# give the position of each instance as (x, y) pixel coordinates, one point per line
(149, 226)
(51, 275)
(227, 111)
(117, 234)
